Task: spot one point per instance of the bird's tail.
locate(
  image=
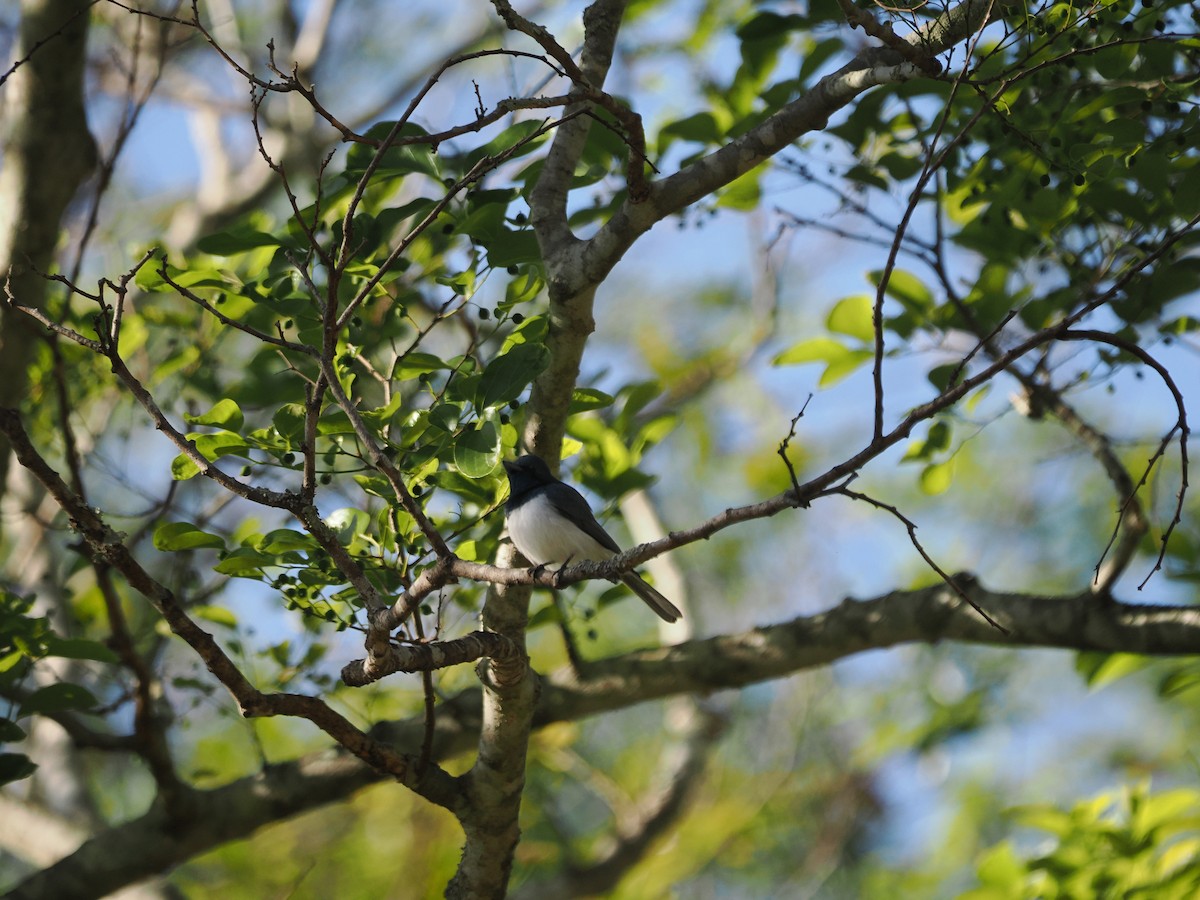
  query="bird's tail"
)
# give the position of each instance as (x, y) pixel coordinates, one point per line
(663, 608)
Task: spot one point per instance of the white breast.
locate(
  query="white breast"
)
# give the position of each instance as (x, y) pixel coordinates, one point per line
(544, 537)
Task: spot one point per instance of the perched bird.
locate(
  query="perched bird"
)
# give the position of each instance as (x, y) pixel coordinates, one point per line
(551, 522)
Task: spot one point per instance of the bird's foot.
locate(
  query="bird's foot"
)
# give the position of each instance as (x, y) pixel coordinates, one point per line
(558, 574)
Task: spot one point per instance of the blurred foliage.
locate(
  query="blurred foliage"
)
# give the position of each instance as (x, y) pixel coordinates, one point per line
(1138, 844)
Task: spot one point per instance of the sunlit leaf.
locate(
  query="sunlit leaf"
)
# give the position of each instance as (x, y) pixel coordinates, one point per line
(1100, 669)
(226, 414)
(853, 316)
(175, 536)
(936, 478)
(218, 615)
(840, 360)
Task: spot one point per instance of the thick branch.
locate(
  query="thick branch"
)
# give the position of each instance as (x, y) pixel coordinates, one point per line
(929, 615)
(548, 201)
(436, 655)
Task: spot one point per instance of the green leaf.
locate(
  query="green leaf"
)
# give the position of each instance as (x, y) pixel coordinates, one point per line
(510, 137)
(939, 436)
(175, 536)
(226, 414)
(511, 248)
(908, 289)
(477, 452)
(1181, 680)
(10, 731)
(484, 222)
(211, 447)
(15, 766)
(79, 648)
(583, 399)
(334, 421)
(404, 159)
(939, 376)
(508, 375)
(416, 209)
(532, 331)
(839, 360)
(417, 363)
(289, 421)
(446, 416)
(545, 615)
(184, 467)
(1000, 868)
(218, 615)
(701, 128)
(769, 24)
(853, 316)
(743, 193)
(150, 276)
(284, 540)
(244, 562)
(937, 477)
(235, 240)
(1100, 669)
(58, 698)
(818, 55)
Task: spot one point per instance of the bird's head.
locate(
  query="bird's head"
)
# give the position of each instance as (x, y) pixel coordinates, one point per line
(527, 472)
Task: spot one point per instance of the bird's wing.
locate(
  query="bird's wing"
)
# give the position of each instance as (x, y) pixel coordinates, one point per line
(570, 503)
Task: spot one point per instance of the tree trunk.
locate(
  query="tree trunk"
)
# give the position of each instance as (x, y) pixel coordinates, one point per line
(48, 152)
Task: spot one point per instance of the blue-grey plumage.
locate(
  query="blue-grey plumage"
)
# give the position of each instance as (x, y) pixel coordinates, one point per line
(551, 522)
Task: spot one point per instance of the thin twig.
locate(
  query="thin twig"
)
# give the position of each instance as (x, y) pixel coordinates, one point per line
(912, 536)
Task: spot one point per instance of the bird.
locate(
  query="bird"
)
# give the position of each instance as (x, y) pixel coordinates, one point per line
(551, 522)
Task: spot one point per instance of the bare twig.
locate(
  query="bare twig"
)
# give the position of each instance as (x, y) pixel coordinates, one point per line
(912, 536)
(786, 442)
(1180, 426)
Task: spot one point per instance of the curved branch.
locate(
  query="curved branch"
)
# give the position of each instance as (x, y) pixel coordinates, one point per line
(1181, 426)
